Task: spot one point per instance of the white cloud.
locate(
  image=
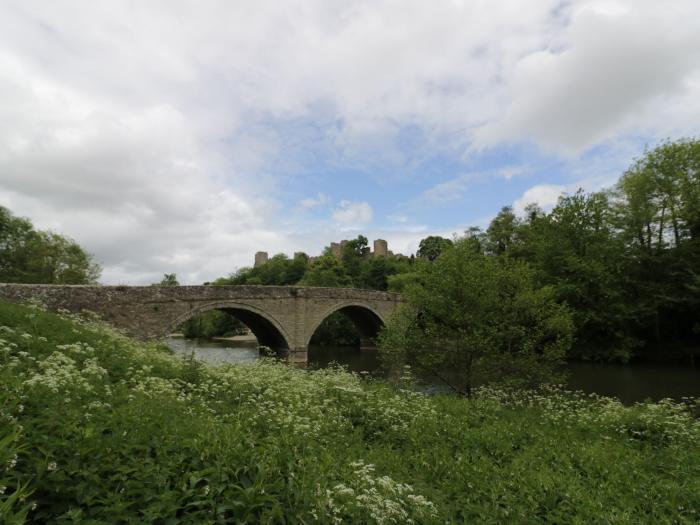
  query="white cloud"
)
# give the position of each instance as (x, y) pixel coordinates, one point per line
(353, 213)
(510, 172)
(547, 195)
(544, 195)
(447, 191)
(320, 200)
(154, 133)
(615, 64)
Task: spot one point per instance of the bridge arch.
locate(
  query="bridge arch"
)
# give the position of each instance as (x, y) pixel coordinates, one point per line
(268, 330)
(366, 319)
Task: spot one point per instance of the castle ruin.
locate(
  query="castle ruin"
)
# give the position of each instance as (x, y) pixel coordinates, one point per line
(381, 249)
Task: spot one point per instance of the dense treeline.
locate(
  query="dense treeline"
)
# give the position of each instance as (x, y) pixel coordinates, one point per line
(41, 257)
(353, 269)
(626, 260)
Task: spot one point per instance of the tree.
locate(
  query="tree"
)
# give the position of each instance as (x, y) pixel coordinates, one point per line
(577, 251)
(659, 218)
(502, 235)
(280, 270)
(169, 279)
(662, 195)
(475, 319)
(326, 271)
(352, 258)
(212, 323)
(431, 247)
(31, 256)
(401, 281)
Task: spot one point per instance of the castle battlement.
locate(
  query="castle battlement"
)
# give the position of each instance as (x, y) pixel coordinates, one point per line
(381, 249)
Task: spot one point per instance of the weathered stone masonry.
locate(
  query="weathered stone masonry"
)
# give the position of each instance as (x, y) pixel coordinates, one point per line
(282, 317)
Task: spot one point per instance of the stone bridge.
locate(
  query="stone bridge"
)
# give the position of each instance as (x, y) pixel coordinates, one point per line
(281, 317)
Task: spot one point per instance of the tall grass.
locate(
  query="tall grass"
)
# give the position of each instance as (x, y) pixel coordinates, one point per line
(98, 428)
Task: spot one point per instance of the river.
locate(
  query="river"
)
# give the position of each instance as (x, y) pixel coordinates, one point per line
(629, 383)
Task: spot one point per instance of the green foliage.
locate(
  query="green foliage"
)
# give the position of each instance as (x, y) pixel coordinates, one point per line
(336, 330)
(31, 256)
(401, 281)
(169, 279)
(475, 319)
(503, 233)
(212, 323)
(432, 247)
(326, 271)
(625, 261)
(659, 218)
(279, 270)
(104, 429)
(575, 249)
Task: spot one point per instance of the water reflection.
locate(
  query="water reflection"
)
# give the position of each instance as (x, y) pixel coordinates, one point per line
(216, 352)
(630, 383)
(635, 382)
(220, 351)
(355, 359)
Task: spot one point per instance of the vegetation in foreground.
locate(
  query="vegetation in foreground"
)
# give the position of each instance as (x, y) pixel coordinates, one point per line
(97, 428)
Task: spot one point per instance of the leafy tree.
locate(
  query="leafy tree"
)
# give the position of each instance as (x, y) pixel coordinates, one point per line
(475, 319)
(576, 250)
(374, 274)
(31, 256)
(280, 270)
(326, 271)
(401, 281)
(503, 233)
(659, 217)
(661, 193)
(213, 323)
(169, 279)
(352, 258)
(432, 247)
(336, 330)
(378, 271)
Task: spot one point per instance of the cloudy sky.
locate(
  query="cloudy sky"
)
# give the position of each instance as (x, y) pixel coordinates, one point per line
(182, 137)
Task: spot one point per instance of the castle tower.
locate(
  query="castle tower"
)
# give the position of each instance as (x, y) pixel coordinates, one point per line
(260, 258)
(335, 250)
(381, 248)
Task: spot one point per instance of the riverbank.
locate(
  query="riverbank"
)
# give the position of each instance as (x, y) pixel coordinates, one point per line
(103, 429)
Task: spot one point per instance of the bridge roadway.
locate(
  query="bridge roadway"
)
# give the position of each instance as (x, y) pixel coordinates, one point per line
(281, 317)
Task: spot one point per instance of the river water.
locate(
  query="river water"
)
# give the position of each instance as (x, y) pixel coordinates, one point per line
(629, 383)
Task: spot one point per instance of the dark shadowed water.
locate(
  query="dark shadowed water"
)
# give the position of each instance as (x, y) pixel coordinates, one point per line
(635, 382)
(629, 383)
